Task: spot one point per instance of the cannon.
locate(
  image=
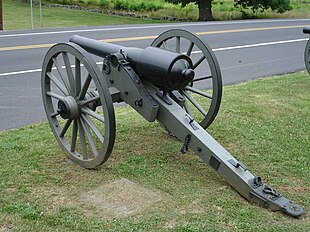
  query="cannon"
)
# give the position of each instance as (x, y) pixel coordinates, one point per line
(161, 82)
(306, 30)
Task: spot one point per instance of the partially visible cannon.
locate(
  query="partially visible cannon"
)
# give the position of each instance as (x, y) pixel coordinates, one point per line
(162, 82)
(306, 30)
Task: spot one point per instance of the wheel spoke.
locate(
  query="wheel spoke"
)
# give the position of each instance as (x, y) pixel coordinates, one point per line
(198, 92)
(89, 138)
(82, 140)
(53, 115)
(90, 123)
(190, 49)
(69, 72)
(164, 45)
(195, 103)
(178, 44)
(88, 111)
(60, 86)
(74, 135)
(187, 109)
(199, 62)
(82, 102)
(63, 76)
(77, 76)
(65, 128)
(85, 87)
(54, 95)
(201, 78)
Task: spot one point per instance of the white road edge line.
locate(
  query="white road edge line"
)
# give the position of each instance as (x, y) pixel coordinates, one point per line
(260, 44)
(153, 26)
(215, 50)
(20, 72)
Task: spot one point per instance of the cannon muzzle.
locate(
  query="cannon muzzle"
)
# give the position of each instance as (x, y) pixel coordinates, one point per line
(166, 69)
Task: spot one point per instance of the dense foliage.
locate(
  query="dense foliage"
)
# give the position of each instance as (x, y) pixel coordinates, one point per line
(183, 2)
(204, 6)
(276, 5)
(205, 12)
(133, 5)
(196, 9)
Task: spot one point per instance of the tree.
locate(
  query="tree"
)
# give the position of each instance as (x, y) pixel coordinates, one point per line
(276, 5)
(204, 6)
(205, 10)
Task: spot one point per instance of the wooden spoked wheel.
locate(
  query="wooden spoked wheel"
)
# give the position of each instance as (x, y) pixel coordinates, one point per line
(78, 104)
(203, 95)
(307, 56)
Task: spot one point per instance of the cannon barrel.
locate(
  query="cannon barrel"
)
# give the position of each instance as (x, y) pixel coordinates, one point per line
(166, 69)
(306, 30)
(96, 47)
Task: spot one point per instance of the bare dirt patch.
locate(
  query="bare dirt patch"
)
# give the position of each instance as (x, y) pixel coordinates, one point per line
(120, 198)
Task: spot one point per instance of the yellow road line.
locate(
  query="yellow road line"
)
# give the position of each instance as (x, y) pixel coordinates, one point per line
(153, 37)
(26, 47)
(51, 44)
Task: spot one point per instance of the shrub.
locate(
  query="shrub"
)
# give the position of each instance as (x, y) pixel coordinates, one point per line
(135, 5)
(279, 6)
(121, 4)
(190, 7)
(104, 3)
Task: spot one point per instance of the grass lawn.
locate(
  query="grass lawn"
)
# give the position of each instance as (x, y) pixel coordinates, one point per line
(16, 16)
(264, 123)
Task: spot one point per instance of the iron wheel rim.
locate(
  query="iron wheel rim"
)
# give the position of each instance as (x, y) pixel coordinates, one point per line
(82, 124)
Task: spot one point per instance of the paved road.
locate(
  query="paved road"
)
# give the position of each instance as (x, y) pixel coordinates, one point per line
(245, 50)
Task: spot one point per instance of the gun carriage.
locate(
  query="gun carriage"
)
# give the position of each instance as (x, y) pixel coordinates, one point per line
(161, 82)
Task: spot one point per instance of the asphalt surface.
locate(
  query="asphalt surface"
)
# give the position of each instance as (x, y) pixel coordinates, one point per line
(245, 50)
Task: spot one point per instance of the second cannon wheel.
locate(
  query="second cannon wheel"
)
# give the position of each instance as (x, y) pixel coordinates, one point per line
(307, 56)
(203, 95)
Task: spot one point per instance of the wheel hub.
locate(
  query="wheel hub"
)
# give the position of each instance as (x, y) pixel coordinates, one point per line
(68, 108)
